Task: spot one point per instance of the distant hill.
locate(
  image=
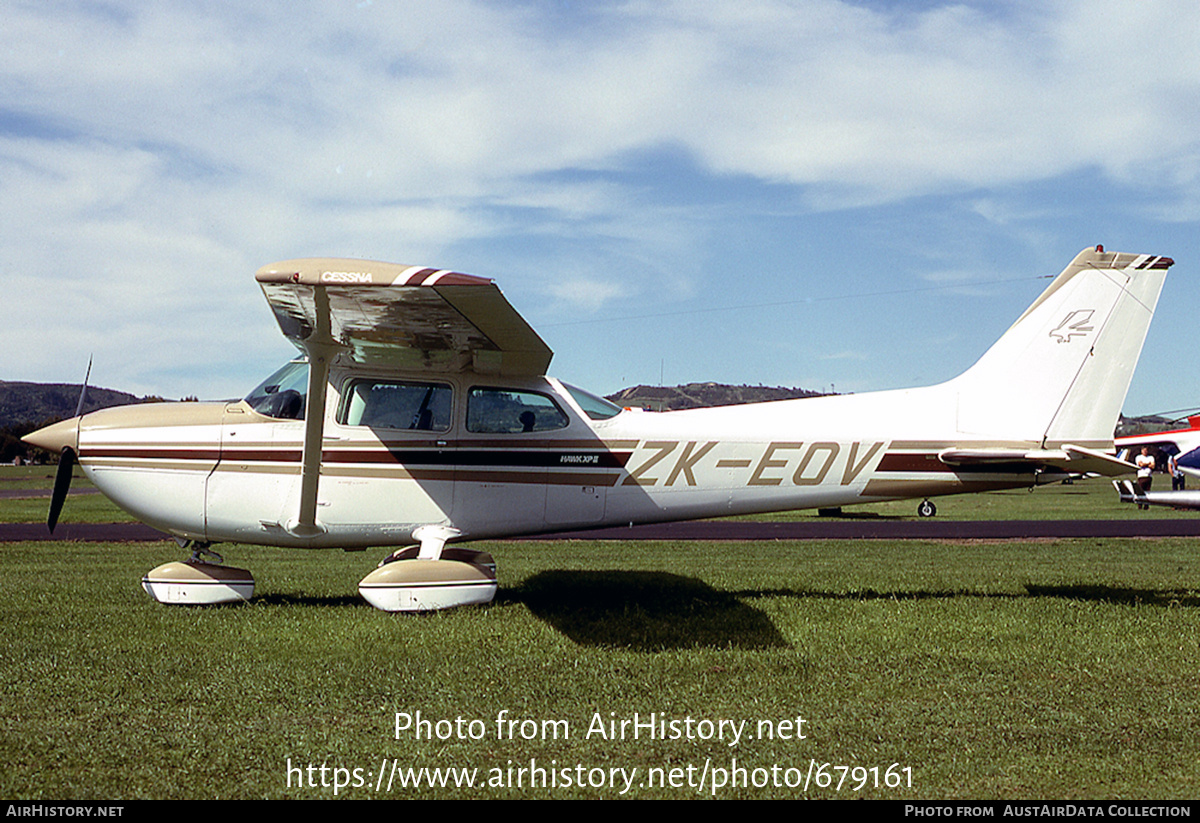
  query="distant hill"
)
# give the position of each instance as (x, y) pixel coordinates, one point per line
(701, 395)
(1150, 424)
(28, 406)
(39, 402)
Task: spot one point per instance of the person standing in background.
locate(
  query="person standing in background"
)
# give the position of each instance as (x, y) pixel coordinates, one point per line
(1145, 472)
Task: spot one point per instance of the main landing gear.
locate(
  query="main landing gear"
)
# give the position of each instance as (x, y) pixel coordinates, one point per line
(430, 576)
(407, 582)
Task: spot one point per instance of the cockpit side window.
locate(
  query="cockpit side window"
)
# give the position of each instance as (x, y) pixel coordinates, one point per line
(283, 394)
(512, 411)
(396, 404)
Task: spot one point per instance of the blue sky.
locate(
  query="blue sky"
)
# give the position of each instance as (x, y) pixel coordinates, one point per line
(823, 194)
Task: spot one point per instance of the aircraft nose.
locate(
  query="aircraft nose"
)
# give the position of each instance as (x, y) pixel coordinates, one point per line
(56, 437)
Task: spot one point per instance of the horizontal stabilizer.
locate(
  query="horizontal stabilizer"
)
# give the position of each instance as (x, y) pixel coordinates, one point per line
(1070, 459)
(1098, 462)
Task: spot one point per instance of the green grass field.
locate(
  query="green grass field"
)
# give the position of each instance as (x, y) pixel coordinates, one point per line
(1018, 669)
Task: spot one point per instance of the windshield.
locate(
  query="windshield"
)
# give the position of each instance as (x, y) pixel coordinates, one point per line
(282, 395)
(594, 407)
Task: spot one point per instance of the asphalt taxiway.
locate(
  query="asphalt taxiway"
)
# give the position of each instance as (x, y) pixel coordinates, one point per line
(809, 529)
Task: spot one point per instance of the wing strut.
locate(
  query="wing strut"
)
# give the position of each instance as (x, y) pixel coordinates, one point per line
(321, 348)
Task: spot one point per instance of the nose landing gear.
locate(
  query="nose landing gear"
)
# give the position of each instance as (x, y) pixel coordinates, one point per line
(198, 581)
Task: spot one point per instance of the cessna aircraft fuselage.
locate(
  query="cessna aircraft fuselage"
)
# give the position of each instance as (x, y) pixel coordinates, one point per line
(223, 472)
(420, 412)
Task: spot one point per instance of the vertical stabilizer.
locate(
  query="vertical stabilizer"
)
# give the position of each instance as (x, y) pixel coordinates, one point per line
(1060, 373)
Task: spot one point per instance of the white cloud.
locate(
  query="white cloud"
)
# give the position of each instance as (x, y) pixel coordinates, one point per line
(844, 355)
(169, 149)
(459, 97)
(589, 295)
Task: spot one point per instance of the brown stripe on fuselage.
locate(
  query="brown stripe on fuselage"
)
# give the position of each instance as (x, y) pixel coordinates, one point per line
(545, 478)
(148, 453)
(385, 467)
(518, 441)
(142, 465)
(429, 455)
(906, 462)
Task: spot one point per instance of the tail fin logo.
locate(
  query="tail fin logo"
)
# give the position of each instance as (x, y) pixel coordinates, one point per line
(1075, 323)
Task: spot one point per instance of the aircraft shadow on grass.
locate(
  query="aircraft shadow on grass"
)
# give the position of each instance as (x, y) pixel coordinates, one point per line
(1189, 598)
(1123, 595)
(643, 611)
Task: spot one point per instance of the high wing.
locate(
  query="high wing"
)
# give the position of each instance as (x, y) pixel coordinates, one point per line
(418, 318)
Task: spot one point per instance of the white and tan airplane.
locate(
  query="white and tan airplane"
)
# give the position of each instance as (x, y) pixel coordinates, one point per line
(419, 413)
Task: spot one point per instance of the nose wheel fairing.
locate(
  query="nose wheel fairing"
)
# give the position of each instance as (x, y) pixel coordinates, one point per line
(196, 582)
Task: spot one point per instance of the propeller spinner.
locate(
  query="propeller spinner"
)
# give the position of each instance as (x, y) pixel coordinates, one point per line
(63, 438)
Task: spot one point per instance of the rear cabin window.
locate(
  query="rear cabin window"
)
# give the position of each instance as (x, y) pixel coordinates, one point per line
(392, 404)
(511, 411)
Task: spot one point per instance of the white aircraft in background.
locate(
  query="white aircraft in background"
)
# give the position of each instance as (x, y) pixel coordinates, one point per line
(1183, 445)
(1129, 492)
(419, 412)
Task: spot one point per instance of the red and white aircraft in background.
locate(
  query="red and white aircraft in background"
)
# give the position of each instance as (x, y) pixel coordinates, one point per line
(1183, 445)
(419, 413)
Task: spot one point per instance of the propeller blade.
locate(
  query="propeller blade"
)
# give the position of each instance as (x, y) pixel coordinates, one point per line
(62, 484)
(83, 391)
(66, 463)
